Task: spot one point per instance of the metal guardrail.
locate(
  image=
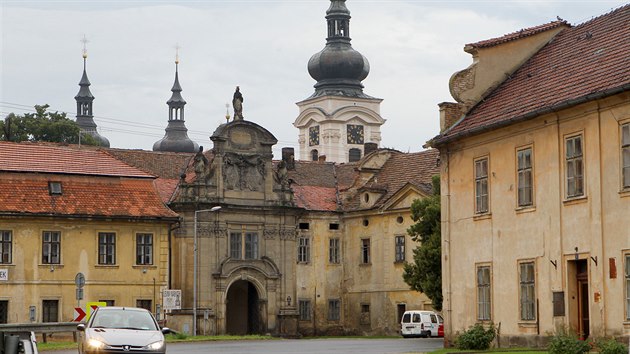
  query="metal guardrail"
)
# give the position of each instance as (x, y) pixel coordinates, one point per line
(43, 328)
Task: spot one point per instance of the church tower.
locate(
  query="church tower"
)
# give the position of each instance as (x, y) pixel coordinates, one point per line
(176, 137)
(338, 119)
(85, 117)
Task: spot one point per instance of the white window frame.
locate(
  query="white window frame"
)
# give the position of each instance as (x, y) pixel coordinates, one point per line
(484, 292)
(525, 177)
(527, 290)
(334, 250)
(107, 249)
(6, 246)
(144, 249)
(574, 166)
(482, 185)
(304, 249)
(399, 246)
(51, 247)
(625, 156)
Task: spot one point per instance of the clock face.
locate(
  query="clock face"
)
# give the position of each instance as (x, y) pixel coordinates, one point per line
(355, 134)
(313, 135)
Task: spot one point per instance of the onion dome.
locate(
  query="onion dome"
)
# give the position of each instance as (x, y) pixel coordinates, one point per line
(176, 137)
(338, 68)
(85, 117)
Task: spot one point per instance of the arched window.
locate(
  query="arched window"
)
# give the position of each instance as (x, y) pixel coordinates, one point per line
(354, 155)
(314, 155)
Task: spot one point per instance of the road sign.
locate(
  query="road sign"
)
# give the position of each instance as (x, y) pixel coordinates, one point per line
(172, 300)
(79, 314)
(79, 280)
(79, 293)
(91, 306)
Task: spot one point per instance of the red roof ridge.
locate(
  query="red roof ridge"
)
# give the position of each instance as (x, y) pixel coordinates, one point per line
(525, 32)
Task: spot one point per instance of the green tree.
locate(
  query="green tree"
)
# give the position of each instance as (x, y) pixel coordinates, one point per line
(425, 273)
(42, 126)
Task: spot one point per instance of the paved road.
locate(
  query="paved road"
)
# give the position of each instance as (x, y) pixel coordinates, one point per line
(306, 346)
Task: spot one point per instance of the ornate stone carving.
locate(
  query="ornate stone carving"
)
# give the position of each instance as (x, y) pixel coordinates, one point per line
(203, 169)
(243, 172)
(281, 175)
(287, 234)
(270, 234)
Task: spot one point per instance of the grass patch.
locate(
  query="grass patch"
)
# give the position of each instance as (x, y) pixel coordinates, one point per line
(55, 346)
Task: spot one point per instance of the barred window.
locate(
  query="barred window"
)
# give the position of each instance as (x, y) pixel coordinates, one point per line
(483, 293)
(528, 291)
(305, 310)
(525, 181)
(304, 250)
(333, 251)
(106, 248)
(481, 186)
(334, 309)
(144, 249)
(400, 249)
(6, 243)
(51, 247)
(574, 167)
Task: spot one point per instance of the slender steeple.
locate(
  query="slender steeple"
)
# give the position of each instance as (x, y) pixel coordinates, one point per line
(338, 68)
(176, 137)
(85, 116)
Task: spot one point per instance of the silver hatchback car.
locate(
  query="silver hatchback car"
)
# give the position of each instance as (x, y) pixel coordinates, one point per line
(113, 330)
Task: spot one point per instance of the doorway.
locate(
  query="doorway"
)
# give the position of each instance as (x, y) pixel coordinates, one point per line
(579, 297)
(243, 309)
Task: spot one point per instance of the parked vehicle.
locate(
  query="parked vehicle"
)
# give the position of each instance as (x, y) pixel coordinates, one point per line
(417, 323)
(113, 330)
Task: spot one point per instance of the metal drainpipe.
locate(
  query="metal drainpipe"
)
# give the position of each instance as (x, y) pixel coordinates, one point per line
(170, 231)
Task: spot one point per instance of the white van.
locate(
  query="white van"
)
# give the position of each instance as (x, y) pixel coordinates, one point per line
(420, 324)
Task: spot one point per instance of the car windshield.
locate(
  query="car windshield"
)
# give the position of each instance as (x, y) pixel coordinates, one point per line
(124, 319)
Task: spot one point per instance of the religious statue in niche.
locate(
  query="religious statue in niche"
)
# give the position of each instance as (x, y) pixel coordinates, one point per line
(203, 170)
(282, 175)
(237, 103)
(243, 172)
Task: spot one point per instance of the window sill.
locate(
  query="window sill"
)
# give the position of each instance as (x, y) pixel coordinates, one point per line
(365, 264)
(144, 266)
(50, 265)
(399, 263)
(483, 216)
(107, 266)
(7, 264)
(624, 193)
(575, 200)
(525, 209)
(527, 324)
(626, 324)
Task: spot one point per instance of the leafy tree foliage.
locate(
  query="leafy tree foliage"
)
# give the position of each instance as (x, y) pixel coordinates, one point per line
(42, 126)
(425, 273)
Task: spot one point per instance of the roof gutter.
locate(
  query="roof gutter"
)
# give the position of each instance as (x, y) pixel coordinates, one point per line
(437, 141)
(170, 219)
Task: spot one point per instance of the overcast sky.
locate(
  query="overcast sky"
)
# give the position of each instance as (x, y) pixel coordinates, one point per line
(263, 46)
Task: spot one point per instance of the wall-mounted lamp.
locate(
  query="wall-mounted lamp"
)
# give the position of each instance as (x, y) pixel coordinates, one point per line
(144, 271)
(577, 254)
(289, 300)
(52, 268)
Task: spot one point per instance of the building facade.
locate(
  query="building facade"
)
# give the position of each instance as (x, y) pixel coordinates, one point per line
(535, 181)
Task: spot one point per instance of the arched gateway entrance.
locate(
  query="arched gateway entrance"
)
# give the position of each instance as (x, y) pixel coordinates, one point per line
(243, 309)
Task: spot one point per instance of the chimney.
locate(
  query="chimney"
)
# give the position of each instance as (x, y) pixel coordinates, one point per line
(322, 158)
(369, 147)
(288, 156)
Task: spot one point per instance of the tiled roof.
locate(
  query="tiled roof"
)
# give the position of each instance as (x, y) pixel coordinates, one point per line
(581, 63)
(25, 157)
(315, 197)
(313, 173)
(24, 194)
(166, 188)
(525, 32)
(169, 165)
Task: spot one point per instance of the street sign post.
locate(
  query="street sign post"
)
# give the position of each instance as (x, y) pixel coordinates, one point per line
(79, 281)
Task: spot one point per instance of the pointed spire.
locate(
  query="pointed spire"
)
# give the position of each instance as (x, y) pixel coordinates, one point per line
(85, 99)
(176, 137)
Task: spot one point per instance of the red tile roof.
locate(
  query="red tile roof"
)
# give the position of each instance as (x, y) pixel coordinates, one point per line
(580, 64)
(315, 197)
(169, 165)
(91, 196)
(525, 32)
(25, 157)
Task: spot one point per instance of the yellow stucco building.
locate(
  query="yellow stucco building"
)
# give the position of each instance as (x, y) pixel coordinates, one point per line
(535, 183)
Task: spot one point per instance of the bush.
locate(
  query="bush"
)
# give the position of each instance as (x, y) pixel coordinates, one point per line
(476, 338)
(567, 343)
(611, 346)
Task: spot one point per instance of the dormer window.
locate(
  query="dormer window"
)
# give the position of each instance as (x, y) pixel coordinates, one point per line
(54, 188)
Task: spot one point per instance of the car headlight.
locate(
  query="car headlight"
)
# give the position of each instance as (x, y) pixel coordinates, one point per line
(155, 345)
(95, 344)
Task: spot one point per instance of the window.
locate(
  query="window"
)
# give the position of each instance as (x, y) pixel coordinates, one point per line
(481, 186)
(247, 239)
(483, 293)
(106, 248)
(54, 188)
(108, 302)
(365, 314)
(50, 311)
(304, 226)
(144, 249)
(144, 304)
(401, 308)
(314, 155)
(333, 251)
(628, 287)
(365, 251)
(574, 167)
(51, 247)
(4, 311)
(528, 291)
(625, 152)
(525, 182)
(354, 155)
(305, 310)
(334, 307)
(400, 249)
(333, 226)
(304, 250)
(6, 240)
